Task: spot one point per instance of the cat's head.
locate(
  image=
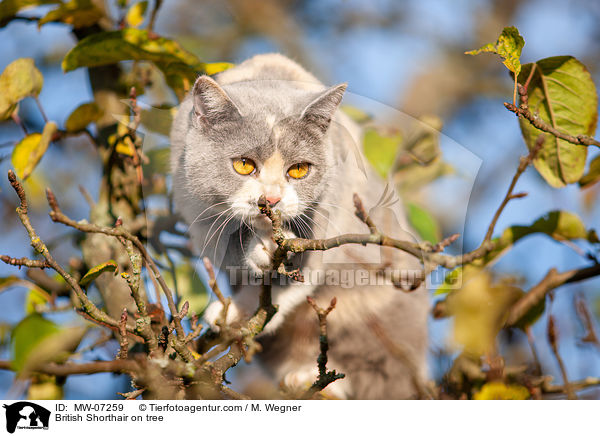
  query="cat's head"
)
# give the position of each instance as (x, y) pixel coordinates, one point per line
(263, 138)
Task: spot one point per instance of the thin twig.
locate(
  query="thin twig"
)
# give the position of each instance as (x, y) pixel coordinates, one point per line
(24, 261)
(325, 377)
(537, 293)
(524, 162)
(583, 312)
(553, 339)
(542, 125)
(65, 369)
(118, 231)
(87, 306)
(39, 105)
(132, 395)
(157, 5)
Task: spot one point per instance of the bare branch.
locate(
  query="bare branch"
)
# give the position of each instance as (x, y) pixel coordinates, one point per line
(553, 339)
(325, 377)
(523, 164)
(538, 123)
(119, 231)
(537, 293)
(24, 261)
(87, 306)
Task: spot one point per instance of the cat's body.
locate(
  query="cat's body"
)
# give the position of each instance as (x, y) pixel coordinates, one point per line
(272, 115)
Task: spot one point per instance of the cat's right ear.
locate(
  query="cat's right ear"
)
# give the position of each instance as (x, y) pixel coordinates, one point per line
(211, 103)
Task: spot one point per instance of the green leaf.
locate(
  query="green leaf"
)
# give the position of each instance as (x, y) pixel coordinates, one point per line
(509, 46)
(36, 340)
(425, 224)
(77, 13)
(19, 79)
(559, 225)
(81, 117)
(381, 150)
(128, 44)
(92, 274)
(135, 14)
(29, 151)
(27, 334)
(500, 391)
(563, 94)
(10, 8)
(593, 174)
(179, 66)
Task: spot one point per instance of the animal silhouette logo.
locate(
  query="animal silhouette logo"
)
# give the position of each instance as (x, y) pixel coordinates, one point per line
(26, 415)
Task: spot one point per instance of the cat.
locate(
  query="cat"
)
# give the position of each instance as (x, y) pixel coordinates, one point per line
(267, 127)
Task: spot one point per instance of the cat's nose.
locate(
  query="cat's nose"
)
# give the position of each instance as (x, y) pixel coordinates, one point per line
(273, 200)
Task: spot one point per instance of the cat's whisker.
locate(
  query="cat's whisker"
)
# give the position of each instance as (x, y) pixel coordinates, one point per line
(204, 211)
(223, 227)
(225, 221)
(314, 222)
(211, 227)
(325, 217)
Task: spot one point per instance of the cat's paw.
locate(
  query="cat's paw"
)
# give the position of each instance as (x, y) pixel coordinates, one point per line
(213, 313)
(259, 256)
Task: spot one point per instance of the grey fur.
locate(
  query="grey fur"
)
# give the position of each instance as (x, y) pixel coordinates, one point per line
(269, 105)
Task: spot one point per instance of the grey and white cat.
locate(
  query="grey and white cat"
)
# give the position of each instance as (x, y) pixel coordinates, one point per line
(268, 127)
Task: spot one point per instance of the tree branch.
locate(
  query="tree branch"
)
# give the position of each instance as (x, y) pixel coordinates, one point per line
(537, 293)
(325, 377)
(538, 123)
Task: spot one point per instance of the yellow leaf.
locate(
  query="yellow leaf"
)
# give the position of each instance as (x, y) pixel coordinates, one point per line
(30, 150)
(82, 116)
(480, 309)
(509, 46)
(77, 13)
(19, 79)
(10, 8)
(135, 14)
(45, 390)
(6, 107)
(92, 274)
(216, 67)
(500, 391)
(36, 297)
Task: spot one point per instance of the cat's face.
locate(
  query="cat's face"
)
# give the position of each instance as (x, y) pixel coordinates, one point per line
(245, 145)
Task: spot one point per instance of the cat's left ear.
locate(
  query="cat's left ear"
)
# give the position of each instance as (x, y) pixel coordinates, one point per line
(320, 111)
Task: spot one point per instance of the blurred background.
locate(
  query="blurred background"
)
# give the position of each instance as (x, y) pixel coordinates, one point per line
(407, 55)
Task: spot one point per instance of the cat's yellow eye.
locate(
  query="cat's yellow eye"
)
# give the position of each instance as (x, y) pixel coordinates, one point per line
(299, 170)
(244, 166)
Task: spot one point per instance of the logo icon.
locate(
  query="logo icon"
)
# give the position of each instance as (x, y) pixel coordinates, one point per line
(26, 415)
